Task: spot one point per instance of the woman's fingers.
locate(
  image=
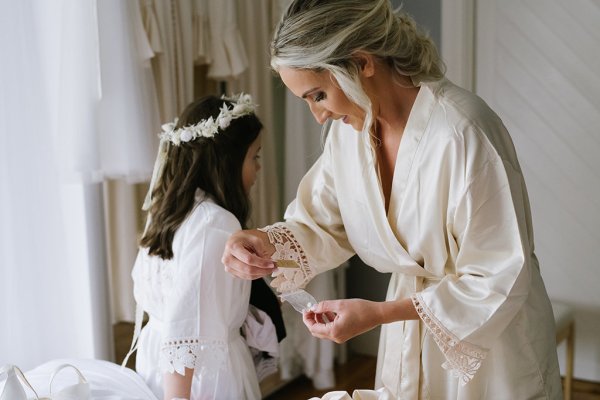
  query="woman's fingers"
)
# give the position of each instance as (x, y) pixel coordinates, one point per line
(323, 322)
(347, 319)
(247, 255)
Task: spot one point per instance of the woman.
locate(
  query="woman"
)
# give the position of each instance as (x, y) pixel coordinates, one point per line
(421, 180)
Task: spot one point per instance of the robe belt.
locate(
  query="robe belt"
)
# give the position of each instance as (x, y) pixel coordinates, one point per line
(402, 366)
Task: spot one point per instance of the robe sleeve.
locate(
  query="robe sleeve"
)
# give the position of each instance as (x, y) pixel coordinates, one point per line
(471, 306)
(313, 236)
(195, 331)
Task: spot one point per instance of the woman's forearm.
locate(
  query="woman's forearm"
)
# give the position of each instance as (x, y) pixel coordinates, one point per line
(397, 310)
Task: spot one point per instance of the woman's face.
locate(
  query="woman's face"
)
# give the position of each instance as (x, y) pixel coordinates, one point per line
(251, 164)
(324, 97)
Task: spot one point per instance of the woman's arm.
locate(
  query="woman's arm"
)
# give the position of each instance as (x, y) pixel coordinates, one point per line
(351, 317)
(177, 386)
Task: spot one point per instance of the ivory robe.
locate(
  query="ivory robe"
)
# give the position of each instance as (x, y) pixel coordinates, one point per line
(457, 239)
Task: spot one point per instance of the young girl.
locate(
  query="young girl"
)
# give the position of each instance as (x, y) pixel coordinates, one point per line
(191, 347)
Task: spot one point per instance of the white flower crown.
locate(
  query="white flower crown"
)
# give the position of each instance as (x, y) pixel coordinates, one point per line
(242, 105)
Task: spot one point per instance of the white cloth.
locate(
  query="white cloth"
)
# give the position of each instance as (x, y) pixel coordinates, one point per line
(107, 381)
(259, 331)
(261, 337)
(457, 238)
(196, 310)
(128, 109)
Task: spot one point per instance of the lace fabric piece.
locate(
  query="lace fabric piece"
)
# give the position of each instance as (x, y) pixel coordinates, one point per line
(206, 357)
(287, 248)
(463, 359)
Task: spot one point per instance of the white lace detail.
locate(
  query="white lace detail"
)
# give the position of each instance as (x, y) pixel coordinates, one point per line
(206, 357)
(288, 248)
(463, 359)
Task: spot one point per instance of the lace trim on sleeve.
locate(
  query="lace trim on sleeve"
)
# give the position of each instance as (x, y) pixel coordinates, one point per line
(463, 359)
(206, 357)
(293, 275)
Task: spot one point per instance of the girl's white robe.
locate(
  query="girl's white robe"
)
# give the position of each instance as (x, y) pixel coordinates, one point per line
(457, 238)
(196, 310)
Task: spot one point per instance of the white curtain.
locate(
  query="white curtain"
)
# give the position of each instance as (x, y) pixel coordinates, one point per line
(49, 89)
(128, 116)
(255, 23)
(65, 125)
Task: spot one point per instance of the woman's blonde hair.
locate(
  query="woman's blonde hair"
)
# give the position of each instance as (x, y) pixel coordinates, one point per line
(327, 34)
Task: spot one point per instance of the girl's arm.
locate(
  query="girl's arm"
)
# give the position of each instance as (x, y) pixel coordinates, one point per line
(177, 386)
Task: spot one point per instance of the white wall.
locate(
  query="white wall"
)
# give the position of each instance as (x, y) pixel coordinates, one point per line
(536, 63)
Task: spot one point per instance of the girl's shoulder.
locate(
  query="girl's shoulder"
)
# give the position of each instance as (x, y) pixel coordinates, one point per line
(208, 214)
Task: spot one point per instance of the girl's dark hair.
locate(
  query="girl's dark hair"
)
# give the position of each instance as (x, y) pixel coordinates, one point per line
(211, 164)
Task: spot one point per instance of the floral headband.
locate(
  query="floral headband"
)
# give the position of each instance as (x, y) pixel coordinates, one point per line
(242, 105)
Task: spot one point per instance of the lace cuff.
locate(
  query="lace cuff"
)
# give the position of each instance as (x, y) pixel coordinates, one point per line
(463, 359)
(206, 357)
(295, 273)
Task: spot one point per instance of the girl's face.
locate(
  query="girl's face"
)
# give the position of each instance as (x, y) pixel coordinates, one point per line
(251, 164)
(325, 99)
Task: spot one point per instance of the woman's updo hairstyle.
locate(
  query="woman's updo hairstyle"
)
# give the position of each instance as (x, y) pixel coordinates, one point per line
(326, 34)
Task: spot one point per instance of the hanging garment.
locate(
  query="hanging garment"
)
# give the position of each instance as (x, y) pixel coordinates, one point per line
(227, 55)
(81, 379)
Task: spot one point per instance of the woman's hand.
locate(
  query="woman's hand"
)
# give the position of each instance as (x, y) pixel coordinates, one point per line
(340, 320)
(347, 318)
(247, 255)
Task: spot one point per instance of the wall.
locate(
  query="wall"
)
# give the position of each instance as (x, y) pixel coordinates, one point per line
(537, 65)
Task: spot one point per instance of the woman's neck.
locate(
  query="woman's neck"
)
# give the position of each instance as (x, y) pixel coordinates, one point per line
(391, 107)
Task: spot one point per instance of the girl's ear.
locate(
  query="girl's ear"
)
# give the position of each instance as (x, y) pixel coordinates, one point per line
(366, 63)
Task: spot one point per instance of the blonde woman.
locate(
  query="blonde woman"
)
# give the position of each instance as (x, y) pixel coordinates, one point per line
(420, 179)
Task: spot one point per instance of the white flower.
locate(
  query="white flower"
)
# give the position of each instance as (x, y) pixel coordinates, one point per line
(168, 127)
(242, 105)
(186, 135)
(225, 121)
(239, 109)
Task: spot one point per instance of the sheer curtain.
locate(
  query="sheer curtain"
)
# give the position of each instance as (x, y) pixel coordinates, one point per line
(49, 305)
(64, 128)
(255, 21)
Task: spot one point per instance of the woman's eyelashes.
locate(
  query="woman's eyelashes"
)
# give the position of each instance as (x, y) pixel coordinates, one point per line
(319, 96)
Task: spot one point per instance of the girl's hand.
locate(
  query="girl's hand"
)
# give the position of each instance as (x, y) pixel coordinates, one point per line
(247, 255)
(347, 318)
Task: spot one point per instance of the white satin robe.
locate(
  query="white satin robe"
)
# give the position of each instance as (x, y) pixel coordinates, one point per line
(457, 239)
